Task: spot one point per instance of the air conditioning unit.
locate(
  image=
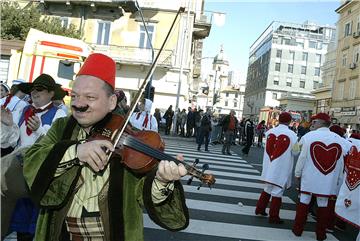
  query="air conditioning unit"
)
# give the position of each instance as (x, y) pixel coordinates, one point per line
(356, 34)
(352, 66)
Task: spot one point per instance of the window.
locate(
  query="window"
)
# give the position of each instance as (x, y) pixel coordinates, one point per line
(303, 69)
(316, 85)
(302, 84)
(352, 89)
(318, 58)
(276, 80)
(235, 103)
(278, 53)
(290, 68)
(301, 45)
(319, 45)
(356, 53)
(288, 82)
(274, 96)
(226, 103)
(103, 33)
(236, 95)
(64, 22)
(66, 69)
(304, 56)
(347, 31)
(292, 55)
(317, 71)
(227, 94)
(144, 42)
(286, 41)
(312, 44)
(344, 57)
(341, 90)
(277, 66)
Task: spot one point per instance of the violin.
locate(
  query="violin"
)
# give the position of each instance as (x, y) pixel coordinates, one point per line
(142, 150)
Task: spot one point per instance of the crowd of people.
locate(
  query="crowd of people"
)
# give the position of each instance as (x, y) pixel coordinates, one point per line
(59, 182)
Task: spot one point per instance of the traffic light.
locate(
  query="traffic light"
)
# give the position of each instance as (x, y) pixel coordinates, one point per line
(205, 90)
(216, 99)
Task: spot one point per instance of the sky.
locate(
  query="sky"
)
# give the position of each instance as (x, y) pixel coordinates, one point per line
(246, 20)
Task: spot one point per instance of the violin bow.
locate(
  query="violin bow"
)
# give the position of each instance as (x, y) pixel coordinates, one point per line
(119, 133)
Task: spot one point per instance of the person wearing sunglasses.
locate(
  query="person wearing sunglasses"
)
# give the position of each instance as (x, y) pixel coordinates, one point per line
(34, 122)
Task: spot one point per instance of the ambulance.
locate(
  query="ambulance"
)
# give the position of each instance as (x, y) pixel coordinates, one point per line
(58, 56)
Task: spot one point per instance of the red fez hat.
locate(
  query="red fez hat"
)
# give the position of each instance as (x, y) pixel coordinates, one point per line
(285, 117)
(338, 130)
(321, 116)
(355, 136)
(100, 66)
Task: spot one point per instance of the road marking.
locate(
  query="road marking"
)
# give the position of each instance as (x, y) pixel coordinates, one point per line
(235, 209)
(239, 231)
(229, 193)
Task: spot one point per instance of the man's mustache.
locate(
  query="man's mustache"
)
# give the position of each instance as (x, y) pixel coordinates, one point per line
(80, 109)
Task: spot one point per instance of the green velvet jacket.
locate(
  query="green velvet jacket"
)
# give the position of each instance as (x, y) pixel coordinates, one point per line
(121, 201)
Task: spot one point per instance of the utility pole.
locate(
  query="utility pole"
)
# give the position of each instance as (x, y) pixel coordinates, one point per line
(185, 37)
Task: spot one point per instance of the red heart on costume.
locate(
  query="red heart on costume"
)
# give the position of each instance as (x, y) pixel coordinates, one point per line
(353, 169)
(325, 156)
(276, 145)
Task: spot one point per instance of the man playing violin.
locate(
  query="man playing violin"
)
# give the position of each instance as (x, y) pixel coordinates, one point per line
(82, 195)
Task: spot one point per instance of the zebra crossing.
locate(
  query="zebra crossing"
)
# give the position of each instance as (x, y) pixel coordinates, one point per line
(226, 211)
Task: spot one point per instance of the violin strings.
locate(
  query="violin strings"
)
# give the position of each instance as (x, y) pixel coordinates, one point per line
(142, 147)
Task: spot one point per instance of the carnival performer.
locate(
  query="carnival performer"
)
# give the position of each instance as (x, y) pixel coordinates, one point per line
(348, 201)
(143, 120)
(321, 162)
(35, 120)
(80, 190)
(278, 163)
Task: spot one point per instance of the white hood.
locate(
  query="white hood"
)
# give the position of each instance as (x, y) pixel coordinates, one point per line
(148, 105)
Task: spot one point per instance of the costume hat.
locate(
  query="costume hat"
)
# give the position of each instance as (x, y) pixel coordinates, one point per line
(338, 130)
(60, 93)
(285, 117)
(355, 136)
(44, 81)
(3, 84)
(100, 66)
(321, 116)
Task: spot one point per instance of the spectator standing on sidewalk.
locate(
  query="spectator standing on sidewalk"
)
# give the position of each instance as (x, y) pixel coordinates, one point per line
(168, 116)
(261, 129)
(278, 162)
(197, 121)
(241, 128)
(190, 122)
(229, 126)
(249, 135)
(204, 131)
(157, 116)
(182, 121)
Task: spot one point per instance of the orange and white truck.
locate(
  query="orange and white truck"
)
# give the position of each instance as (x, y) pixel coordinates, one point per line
(271, 116)
(51, 54)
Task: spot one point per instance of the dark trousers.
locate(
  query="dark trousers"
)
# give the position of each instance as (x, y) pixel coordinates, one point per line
(168, 127)
(189, 130)
(203, 136)
(228, 139)
(249, 141)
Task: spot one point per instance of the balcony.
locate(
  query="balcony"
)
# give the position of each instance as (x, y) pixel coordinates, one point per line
(135, 55)
(202, 26)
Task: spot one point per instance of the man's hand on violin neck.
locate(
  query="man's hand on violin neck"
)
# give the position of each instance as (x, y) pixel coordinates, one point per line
(94, 153)
(170, 171)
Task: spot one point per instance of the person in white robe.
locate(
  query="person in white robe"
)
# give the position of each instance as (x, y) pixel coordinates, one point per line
(278, 162)
(319, 169)
(143, 120)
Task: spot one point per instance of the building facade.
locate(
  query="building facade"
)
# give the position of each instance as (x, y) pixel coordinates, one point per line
(133, 39)
(345, 106)
(323, 94)
(285, 61)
